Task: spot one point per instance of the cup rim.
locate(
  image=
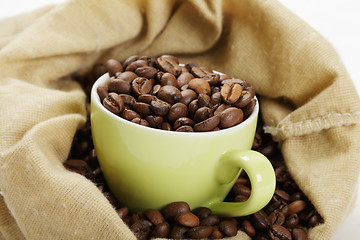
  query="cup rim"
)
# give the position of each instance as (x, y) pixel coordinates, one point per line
(95, 99)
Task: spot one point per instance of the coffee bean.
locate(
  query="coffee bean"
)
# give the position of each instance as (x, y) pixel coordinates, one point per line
(240, 189)
(146, 72)
(176, 111)
(129, 60)
(184, 78)
(244, 100)
(102, 91)
(297, 206)
(200, 85)
(249, 228)
(221, 108)
(113, 66)
(248, 109)
(299, 234)
(169, 64)
(114, 103)
(175, 208)
(136, 64)
(167, 79)
(277, 218)
(228, 228)
(140, 121)
(231, 92)
(207, 124)
(279, 232)
(193, 107)
(292, 221)
(202, 212)
(141, 229)
(127, 76)
(159, 107)
(187, 219)
(144, 109)
(169, 94)
(183, 121)
(203, 113)
(122, 212)
(210, 220)
(187, 96)
(185, 128)
(154, 120)
(119, 86)
(128, 99)
(204, 100)
(129, 114)
(78, 166)
(154, 216)
(98, 70)
(216, 234)
(178, 232)
(155, 89)
(141, 85)
(231, 117)
(200, 232)
(166, 126)
(261, 220)
(161, 230)
(146, 98)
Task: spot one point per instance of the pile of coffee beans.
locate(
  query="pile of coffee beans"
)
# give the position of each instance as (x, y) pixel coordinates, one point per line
(162, 94)
(289, 214)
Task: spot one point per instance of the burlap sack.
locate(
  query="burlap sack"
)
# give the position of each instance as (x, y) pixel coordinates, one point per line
(307, 99)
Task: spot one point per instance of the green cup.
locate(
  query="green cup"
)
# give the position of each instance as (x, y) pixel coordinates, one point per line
(150, 168)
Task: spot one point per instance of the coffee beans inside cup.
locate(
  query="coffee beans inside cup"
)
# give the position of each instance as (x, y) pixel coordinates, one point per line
(289, 215)
(160, 93)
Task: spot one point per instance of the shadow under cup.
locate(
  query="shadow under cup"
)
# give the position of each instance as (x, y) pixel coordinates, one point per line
(150, 168)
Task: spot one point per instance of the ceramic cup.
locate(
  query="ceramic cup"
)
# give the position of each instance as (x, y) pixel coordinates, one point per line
(150, 168)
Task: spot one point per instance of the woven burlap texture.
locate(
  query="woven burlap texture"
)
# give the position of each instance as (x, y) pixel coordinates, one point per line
(307, 99)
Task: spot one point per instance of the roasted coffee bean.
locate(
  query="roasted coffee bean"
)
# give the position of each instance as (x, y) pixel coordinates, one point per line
(128, 99)
(241, 82)
(299, 234)
(231, 92)
(187, 96)
(282, 195)
(122, 212)
(277, 218)
(141, 86)
(119, 86)
(292, 221)
(221, 108)
(297, 206)
(176, 111)
(183, 121)
(279, 232)
(187, 219)
(141, 229)
(200, 85)
(114, 103)
(166, 126)
(141, 122)
(161, 230)
(202, 113)
(240, 198)
(144, 109)
(175, 208)
(167, 79)
(244, 99)
(248, 109)
(136, 64)
(113, 66)
(154, 216)
(261, 220)
(154, 120)
(169, 64)
(202, 212)
(102, 91)
(200, 232)
(155, 89)
(231, 117)
(210, 220)
(208, 124)
(146, 72)
(229, 228)
(249, 228)
(146, 98)
(240, 189)
(216, 234)
(129, 60)
(204, 100)
(160, 107)
(185, 128)
(184, 78)
(129, 114)
(315, 220)
(178, 232)
(193, 107)
(216, 98)
(169, 94)
(127, 76)
(98, 70)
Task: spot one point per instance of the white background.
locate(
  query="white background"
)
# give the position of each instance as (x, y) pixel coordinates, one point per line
(336, 20)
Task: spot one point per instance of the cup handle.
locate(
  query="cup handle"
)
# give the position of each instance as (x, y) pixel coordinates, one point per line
(261, 175)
